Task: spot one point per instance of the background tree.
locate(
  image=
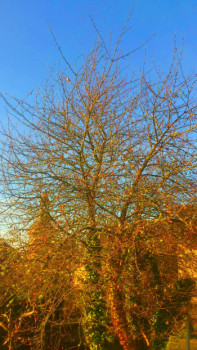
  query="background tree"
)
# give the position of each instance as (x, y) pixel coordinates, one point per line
(116, 153)
(39, 306)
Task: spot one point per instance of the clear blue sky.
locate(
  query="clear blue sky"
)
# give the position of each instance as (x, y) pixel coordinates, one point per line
(28, 50)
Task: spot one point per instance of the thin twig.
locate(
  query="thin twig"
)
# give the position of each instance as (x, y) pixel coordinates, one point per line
(60, 51)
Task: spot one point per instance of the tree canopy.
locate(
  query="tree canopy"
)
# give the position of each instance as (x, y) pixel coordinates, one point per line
(116, 154)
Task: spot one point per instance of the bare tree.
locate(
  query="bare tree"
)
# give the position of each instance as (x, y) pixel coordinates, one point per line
(116, 154)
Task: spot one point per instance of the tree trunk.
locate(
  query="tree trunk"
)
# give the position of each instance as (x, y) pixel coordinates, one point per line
(95, 306)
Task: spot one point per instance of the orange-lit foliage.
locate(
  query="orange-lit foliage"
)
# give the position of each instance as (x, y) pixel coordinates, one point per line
(39, 301)
(143, 269)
